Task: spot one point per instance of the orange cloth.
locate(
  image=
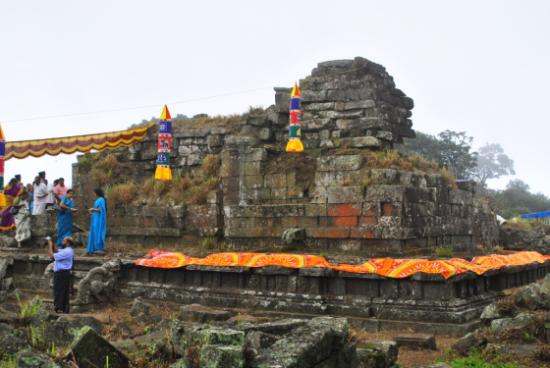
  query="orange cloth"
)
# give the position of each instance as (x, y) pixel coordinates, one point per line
(387, 267)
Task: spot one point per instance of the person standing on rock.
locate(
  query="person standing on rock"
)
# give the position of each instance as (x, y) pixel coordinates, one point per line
(62, 265)
(98, 224)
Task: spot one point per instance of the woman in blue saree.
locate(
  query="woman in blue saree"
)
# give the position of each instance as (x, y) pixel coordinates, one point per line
(98, 224)
(65, 217)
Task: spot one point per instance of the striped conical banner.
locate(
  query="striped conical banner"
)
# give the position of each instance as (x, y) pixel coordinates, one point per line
(294, 143)
(164, 145)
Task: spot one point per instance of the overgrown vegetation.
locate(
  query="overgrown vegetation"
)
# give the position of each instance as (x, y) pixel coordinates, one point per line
(8, 362)
(477, 361)
(186, 189)
(444, 252)
(517, 199)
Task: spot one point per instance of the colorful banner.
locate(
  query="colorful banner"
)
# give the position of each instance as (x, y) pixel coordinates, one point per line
(164, 146)
(387, 267)
(79, 143)
(2, 157)
(294, 144)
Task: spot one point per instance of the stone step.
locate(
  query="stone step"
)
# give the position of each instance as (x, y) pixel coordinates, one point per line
(416, 341)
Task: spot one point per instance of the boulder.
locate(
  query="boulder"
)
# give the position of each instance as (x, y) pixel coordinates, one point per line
(529, 296)
(294, 235)
(91, 350)
(278, 327)
(219, 336)
(139, 308)
(202, 314)
(219, 356)
(469, 342)
(490, 313)
(10, 342)
(389, 349)
(31, 359)
(416, 341)
(371, 358)
(181, 363)
(63, 330)
(308, 345)
(522, 323)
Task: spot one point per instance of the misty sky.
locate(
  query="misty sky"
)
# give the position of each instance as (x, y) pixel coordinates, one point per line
(477, 66)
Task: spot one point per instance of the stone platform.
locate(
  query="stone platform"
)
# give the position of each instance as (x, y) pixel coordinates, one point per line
(421, 302)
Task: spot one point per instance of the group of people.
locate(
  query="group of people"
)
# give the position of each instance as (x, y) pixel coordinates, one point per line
(38, 198)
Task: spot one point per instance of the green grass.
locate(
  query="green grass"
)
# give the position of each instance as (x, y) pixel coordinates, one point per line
(476, 361)
(8, 362)
(444, 252)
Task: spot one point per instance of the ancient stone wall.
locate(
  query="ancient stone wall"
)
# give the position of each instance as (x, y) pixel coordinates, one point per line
(332, 192)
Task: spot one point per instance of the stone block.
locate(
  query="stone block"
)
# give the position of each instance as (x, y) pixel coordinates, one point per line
(265, 134)
(352, 105)
(328, 232)
(252, 181)
(345, 210)
(314, 124)
(385, 193)
(315, 210)
(90, 350)
(362, 142)
(367, 220)
(251, 168)
(339, 163)
(345, 221)
(353, 194)
(417, 341)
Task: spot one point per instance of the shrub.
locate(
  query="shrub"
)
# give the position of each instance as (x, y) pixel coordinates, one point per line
(29, 309)
(103, 169)
(444, 252)
(123, 194)
(210, 165)
(477, 361)
(208, 243)
(8, 362)
(197, 195)
(449, 177)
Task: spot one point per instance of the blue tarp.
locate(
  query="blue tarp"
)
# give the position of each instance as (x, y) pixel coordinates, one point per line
(536, 215)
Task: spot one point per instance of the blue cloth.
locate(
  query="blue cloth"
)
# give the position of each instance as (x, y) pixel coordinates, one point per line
(63, 259)
(64, 220)
(98, 227)
(536, 215)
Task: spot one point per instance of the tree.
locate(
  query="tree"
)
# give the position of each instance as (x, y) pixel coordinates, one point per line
(450, 149)
(492, 163)
(516, 199)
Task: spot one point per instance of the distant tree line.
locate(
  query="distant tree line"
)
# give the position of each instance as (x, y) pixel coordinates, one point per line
(454, 151)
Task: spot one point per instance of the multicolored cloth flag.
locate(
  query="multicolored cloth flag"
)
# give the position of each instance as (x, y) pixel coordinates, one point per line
(164, 145)
(2, 154)
(294, 143)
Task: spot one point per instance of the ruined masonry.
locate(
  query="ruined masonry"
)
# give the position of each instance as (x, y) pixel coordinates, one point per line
(329, 194)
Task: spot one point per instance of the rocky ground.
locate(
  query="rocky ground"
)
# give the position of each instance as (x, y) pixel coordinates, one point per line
(145, 334)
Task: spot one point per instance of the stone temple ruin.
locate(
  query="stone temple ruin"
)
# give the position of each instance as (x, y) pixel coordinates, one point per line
(349, 196)
(334, 197)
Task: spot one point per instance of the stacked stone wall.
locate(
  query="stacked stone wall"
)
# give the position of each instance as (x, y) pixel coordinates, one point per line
(332, 193)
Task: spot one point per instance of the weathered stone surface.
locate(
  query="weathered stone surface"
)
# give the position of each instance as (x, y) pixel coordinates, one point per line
(202, 314)
(90, 350)
(417, 341)
(388, 349)
(10, 342)
(216, 356)
(523, 323)
(339, 163)
(31, 359)
(139, 308)
(181, 363)
(219, 336)
(490, 313)
(468, 343)
(307, 345)
(294, 235)
(63, 330)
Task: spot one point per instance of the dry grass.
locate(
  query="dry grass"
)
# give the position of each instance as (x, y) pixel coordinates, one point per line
(210, 165)
(103, 169)
(123, 194)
